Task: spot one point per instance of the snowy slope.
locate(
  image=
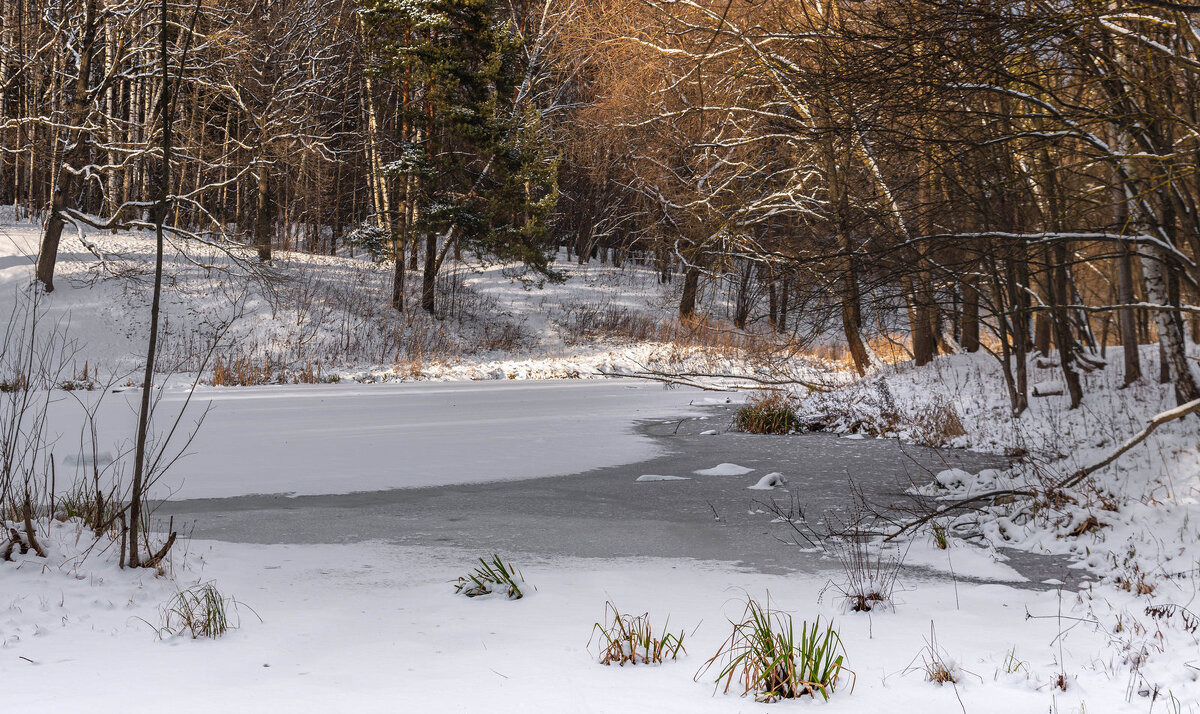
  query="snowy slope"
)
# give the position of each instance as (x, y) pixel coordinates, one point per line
(331, 315)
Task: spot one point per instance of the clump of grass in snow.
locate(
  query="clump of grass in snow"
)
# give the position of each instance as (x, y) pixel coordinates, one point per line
(772, 412)
(940, 538)
(630, 639)
(771, 659)
(1013, 664)
(199, 611)
(491, 576)
(937, 665)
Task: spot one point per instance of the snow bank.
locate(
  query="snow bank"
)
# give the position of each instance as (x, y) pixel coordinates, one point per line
(361, 627)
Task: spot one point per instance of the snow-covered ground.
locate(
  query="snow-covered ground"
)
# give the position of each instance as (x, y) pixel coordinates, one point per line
(374, 626)
(331, 316)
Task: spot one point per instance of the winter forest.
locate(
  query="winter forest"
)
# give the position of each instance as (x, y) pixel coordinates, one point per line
(623, 355)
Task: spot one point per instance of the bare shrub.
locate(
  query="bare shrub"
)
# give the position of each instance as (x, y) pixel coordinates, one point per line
(34, 359)
(937, 423)
(582, 322)
(503, 336)
(871, 572)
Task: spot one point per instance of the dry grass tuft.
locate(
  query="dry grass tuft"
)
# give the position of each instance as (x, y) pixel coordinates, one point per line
(241, 372)
(941, 538)
(936, 664)
(772, 412)
(198, 611)
(629, 639)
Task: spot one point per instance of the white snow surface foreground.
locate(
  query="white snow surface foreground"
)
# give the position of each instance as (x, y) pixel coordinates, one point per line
(376, 628)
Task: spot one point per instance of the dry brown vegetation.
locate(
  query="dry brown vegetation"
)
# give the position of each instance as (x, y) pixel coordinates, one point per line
(770, 412)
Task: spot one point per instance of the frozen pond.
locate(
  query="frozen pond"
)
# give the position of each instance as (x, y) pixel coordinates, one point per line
(607, 512)
(343, 438)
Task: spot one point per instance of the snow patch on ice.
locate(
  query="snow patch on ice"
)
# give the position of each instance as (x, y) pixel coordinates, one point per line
(724, 470)
(953, 478)
(769, 482)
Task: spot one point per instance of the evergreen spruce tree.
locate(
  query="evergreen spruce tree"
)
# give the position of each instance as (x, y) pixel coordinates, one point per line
(485, 178)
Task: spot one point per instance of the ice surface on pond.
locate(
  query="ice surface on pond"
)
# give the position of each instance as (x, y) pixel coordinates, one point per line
(343, 438)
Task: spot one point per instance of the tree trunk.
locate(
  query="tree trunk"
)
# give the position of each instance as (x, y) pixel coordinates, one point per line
(1127, 315)
(1062, 325)
(783, 303)
(852, 316)
(162, 192)
(742, 311)
(264, 215)
(970, 316)
(687, 303)
(1170, 332)
(63, 191)
(429, 279)
(53, 233)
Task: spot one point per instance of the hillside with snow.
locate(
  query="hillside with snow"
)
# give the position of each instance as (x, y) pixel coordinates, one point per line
(308, 317)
